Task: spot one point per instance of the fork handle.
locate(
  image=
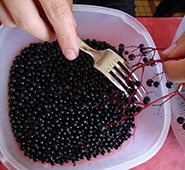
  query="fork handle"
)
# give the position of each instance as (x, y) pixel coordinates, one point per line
(84, 47)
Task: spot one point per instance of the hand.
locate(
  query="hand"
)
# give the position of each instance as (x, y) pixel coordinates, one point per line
(25, 15)
(175, 69)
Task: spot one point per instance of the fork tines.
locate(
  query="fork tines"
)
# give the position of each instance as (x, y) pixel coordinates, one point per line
(120, 71)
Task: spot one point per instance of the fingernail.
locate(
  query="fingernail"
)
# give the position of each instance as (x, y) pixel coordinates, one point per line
(169, 50)
(70, 54)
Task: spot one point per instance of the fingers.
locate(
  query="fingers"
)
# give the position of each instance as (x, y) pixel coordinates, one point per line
(26, 17)
(5, 16)
(60, 16)
(177, 50)
(175, 69)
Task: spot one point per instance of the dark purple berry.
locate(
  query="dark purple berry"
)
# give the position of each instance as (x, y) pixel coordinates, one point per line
(139, 108)
(169, 84)
(149, 82)
(131, 57)
(146, 100)
(121, 48)
(156, 84)
(141, 45)
(142, 49)
(126, 52)
(153, 62)
(145, 59)
(180, 120)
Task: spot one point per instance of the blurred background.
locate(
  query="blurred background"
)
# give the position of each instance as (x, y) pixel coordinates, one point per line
(143, 8)
(160, 8)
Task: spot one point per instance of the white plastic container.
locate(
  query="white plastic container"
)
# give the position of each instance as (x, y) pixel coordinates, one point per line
(102, 24)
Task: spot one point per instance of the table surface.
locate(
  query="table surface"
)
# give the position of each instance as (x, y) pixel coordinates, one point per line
(170, 156)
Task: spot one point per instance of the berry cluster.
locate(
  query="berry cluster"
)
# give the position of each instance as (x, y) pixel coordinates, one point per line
(143, 57)
(151, 82)
(62, 110)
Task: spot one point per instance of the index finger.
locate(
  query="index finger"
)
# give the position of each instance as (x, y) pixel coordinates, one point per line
(60, 16)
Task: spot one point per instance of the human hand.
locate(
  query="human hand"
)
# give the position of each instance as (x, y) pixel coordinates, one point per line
(25, 15)
(175, 69)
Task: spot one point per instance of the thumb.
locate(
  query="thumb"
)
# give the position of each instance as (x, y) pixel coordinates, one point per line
(175, 69)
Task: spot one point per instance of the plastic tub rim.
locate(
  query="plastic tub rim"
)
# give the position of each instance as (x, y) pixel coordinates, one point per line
(167, 118)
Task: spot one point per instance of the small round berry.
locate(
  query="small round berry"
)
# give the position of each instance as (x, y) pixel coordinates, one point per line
(156, 84)
(121, 48)
(169, 84)
(142, 48)
(149, 82)
(126, 52)
(146, 100)
(141, 45)
(139, 108)
(180, 120)
(145, 59)
(153, 62)
(131, 57)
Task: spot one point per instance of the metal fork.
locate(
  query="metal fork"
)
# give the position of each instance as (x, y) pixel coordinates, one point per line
(113, 66)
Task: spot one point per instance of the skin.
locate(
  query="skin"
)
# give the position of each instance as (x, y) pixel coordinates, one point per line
(25, 15)
(175, 69)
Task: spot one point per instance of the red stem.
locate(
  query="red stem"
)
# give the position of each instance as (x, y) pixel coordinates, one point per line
(170, 95)
(157, 75)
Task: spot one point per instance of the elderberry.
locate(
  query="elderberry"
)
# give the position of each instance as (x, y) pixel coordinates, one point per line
(121, 48)
(153, 62)
(145, 59)
(142, 49)
(126, 52)
(61, 110)
(169, 84)
(156, 84)
(146, 100)
(180, 120)
(131, 57)
(141, 45)
(149, 82)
